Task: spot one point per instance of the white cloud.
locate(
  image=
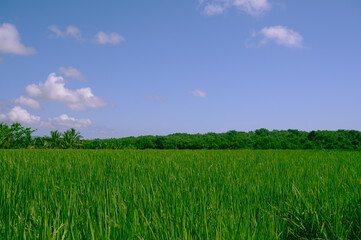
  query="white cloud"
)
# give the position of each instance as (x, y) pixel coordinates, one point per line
(73, 31)
(156, 98)
(199, 93)
(1, 60)
(68, 122)
(71, 72)
(113, 38)
(69, 31)
(54, 90)
(26, 101)
(282, 36)
(212, 9)
(56, 30)
(20, 115)
(253, 7)
(10, 41)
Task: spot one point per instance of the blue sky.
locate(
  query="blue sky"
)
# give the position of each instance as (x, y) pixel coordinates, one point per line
(129, 68)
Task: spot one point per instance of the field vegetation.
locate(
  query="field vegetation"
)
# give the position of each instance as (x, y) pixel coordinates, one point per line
(180, 194)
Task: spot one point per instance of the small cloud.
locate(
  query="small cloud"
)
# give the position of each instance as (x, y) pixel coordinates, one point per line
(113, 38)
(199, 93)
(68, 122)
(212, 9)
(20, 115)
(71, 72)
(10, 41)
(57, 31)
(53, 89)
(28, 102)
(1, 60)
(252, 7)
(71, 31)
(253, 34)
(74, 32)
(282, 36)
(156, 98)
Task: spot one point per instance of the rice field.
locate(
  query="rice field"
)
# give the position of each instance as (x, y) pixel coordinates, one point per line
(180, 194)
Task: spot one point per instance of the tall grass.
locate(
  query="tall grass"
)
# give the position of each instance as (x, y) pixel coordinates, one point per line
(150, 194)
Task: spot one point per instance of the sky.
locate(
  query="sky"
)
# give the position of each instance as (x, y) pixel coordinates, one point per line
(131, 68)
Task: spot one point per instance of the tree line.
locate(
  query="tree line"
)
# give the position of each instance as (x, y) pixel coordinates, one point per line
(16, 136)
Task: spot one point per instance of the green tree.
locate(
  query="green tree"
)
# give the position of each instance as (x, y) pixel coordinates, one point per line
(71, 138)
(42, 142)
(15, 136)
(262, 132)
(55, 139)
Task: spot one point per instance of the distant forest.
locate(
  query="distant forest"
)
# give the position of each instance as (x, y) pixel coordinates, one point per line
(15, 136)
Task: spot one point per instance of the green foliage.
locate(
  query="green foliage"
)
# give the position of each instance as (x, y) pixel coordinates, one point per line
(172, 194)
(16, 136)
(71, 138)
(260, 139)
(55, 139)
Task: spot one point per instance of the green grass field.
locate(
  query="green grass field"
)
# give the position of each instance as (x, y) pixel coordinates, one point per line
(150, 194)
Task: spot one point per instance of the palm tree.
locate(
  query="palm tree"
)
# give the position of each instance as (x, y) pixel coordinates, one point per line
(42, 142)
(55, 139)
(71, 138)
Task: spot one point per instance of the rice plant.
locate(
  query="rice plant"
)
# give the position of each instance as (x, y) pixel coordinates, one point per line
(180, 194)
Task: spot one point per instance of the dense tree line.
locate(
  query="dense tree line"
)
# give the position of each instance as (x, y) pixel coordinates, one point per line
(258, 139)
(16, 136)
